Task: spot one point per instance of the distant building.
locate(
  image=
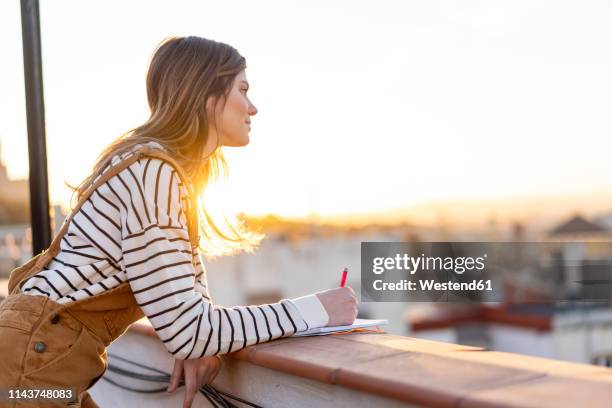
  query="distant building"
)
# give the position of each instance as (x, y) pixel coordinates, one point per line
(580, 229)
(14, 198)
(571, 332)
(584, 254)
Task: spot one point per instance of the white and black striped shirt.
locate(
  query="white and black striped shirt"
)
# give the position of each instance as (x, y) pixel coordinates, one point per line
(133, 228)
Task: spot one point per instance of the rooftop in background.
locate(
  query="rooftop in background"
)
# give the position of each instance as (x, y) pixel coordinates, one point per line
(579, 225)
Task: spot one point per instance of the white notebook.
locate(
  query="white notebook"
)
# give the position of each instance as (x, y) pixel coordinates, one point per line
(357, 324)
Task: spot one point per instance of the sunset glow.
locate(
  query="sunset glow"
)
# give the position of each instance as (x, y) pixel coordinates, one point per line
(405, 104)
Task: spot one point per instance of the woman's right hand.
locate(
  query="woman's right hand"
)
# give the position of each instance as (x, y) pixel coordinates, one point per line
(340, 304)
(196, 372)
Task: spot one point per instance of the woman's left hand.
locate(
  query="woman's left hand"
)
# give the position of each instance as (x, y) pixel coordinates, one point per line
(198, 372)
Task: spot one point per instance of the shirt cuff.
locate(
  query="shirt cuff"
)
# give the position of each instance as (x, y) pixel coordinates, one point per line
(312, 310)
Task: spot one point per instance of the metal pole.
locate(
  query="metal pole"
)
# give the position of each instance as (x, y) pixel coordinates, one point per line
(35, 108)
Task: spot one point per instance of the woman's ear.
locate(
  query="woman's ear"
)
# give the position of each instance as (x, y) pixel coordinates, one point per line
(209, 105)
(213, 107)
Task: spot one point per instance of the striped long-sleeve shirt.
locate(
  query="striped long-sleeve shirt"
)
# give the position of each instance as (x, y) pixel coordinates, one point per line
(133, 228)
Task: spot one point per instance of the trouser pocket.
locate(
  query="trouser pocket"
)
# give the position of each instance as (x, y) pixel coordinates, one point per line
(18, 316)
(13, 342)
(78, 360)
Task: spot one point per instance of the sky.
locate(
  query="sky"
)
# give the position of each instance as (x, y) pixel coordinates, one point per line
(363, 106)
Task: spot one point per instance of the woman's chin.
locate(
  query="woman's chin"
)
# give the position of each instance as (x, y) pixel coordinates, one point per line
(241, 142)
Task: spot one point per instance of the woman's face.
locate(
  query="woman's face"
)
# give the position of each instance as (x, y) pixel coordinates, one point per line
(235, 119)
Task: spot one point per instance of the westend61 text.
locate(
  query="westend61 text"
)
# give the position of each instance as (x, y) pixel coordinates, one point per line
(430, 284)
(412, 264)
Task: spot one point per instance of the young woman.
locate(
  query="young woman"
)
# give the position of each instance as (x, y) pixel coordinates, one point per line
(131, 246)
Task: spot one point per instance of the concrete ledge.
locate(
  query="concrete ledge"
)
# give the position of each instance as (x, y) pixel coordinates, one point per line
(429, 373)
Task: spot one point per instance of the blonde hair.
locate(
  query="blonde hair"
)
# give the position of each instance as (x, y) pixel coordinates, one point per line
(184, 72)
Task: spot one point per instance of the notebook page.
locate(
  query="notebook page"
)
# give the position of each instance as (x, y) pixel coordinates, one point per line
(358, 323)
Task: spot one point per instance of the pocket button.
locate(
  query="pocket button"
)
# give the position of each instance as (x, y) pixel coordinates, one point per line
(39, 347)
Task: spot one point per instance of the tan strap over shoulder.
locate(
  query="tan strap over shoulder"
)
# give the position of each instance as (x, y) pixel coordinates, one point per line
(139, 152)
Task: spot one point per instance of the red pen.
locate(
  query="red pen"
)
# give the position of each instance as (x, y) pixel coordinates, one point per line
(343, 280)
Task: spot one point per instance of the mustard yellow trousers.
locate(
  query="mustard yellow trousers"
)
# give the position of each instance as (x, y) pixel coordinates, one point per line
(45, 344)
